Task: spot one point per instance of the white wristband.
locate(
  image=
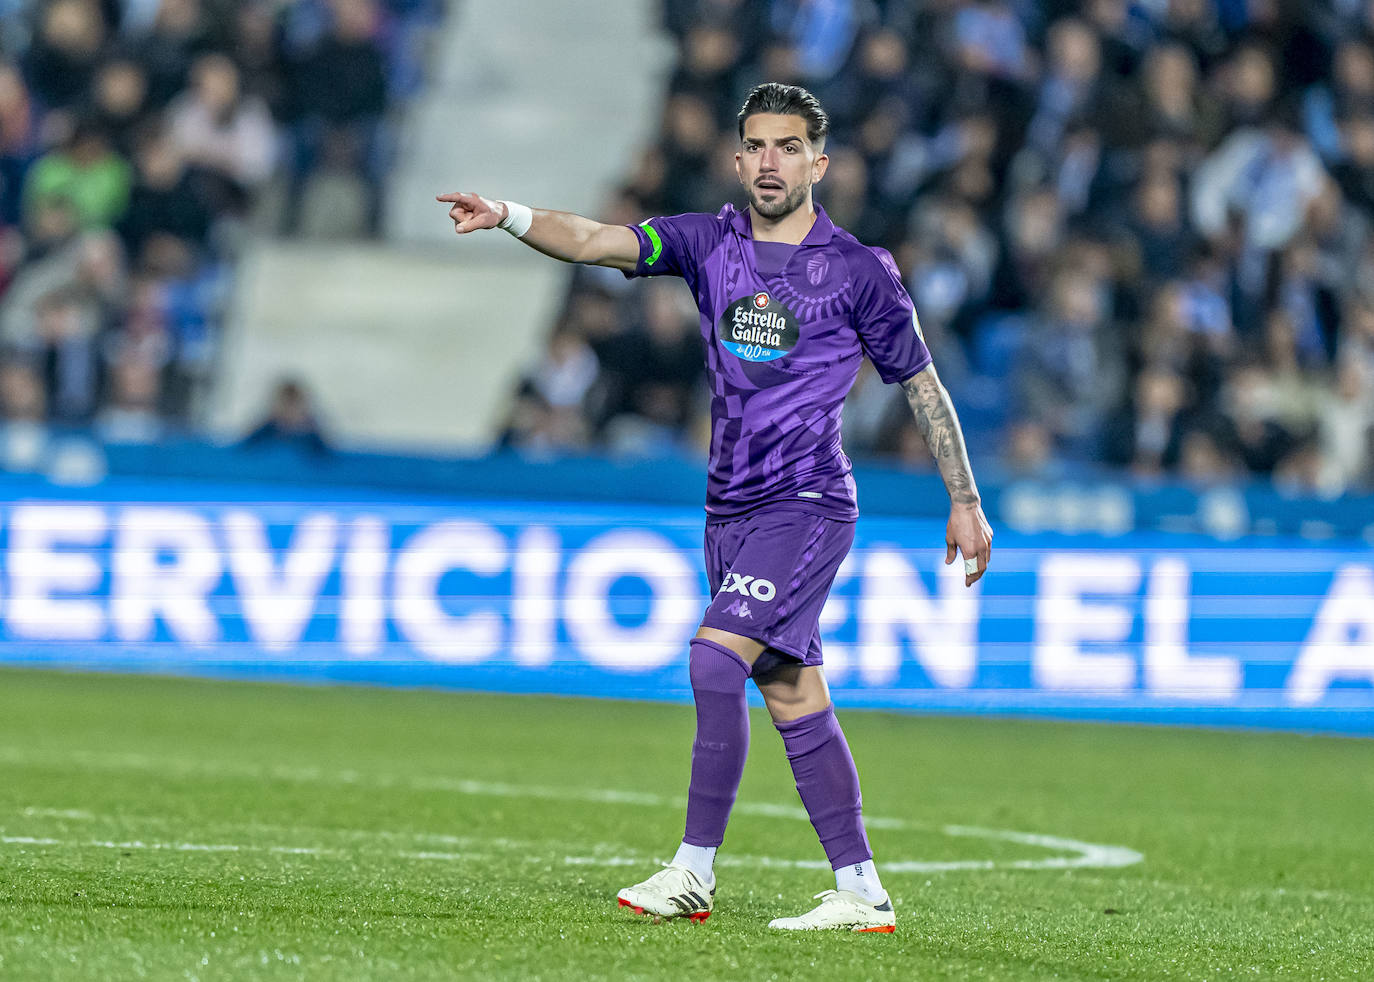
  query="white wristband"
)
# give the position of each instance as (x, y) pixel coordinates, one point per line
(518, 219)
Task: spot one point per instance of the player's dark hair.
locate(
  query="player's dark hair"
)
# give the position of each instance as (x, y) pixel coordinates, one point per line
(787, 100)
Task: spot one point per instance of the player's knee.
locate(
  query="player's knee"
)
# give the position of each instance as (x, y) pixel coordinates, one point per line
(715, 668)
(805, 733)
(793, 691)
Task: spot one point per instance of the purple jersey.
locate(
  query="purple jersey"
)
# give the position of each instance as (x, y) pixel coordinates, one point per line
(782, 350)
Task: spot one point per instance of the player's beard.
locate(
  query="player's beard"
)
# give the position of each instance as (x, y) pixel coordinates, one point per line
(776, 209)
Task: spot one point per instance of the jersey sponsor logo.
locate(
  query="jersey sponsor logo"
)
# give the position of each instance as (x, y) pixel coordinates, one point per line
(749, 586)
(758, 328)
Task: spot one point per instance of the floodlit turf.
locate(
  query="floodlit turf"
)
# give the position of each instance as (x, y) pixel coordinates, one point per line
(158, 828)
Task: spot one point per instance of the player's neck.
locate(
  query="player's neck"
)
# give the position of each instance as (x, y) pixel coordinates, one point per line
(790, 228)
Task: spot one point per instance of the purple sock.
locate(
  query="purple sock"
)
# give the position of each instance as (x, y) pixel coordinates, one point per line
(722, 740)
(828, 784)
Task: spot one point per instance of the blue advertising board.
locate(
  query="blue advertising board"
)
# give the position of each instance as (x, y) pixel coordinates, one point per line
(599, 599)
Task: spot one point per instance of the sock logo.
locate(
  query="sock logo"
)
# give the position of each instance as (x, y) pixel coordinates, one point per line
(749, 586)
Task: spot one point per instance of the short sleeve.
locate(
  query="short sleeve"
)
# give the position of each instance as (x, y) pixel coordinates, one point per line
(885, 318)
(674, 245)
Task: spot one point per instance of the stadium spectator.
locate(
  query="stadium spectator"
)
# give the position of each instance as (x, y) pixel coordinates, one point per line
(1157, 229)
(179, 33)
(62, 58)
(650, 374)
(1345, 427)
(24, 433)
(990, 39)
(89, 270)
(167, 200)
(1071, 369)
(119, 100)
(1265, 178)
(336, 97)
(565, 378)
(222, 131)
(19, 140)
(87, 172)
(131, 412)
(291, 422)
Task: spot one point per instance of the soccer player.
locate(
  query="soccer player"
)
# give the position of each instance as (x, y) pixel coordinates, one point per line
(789, 305)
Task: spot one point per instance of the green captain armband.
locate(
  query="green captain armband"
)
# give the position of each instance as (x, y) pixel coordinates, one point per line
(654, 240)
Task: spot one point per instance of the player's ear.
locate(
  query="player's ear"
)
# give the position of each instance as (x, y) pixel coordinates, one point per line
(739, 169)
(818, 168)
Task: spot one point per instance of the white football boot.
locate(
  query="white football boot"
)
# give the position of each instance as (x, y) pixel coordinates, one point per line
(841, 910)
(671, 892)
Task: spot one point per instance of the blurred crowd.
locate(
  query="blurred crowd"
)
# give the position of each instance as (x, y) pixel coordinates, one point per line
(139, 141)
(1137, 232)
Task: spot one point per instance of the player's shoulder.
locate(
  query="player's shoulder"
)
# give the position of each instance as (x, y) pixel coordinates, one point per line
(695, 220)
(865, 262)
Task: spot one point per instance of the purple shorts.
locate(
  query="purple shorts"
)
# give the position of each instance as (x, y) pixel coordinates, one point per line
(770, 573)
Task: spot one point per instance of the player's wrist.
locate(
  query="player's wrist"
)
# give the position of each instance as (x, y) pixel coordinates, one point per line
(517, 220)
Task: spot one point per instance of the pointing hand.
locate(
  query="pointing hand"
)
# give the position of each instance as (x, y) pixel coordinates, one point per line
(472, 211)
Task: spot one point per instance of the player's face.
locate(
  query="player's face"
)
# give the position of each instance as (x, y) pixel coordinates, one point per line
(777, 164)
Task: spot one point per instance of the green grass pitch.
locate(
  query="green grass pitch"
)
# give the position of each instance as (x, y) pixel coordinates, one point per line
(173, 829)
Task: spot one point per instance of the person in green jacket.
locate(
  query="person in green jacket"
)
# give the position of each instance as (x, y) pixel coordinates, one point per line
(86, 172)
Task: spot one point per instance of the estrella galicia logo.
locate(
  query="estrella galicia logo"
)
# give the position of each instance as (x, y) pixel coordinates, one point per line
(758, 328)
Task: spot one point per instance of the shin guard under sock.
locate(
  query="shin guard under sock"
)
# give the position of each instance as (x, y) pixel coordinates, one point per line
(722, 740)
(828, 784)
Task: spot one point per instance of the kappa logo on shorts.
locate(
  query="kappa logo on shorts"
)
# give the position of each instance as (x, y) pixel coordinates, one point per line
(740, 608)
(750, 586)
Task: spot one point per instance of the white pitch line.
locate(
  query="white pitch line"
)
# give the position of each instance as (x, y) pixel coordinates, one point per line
(765, 862)
(72, 813)
(153, 846)
(428, 838)
(1086, 855)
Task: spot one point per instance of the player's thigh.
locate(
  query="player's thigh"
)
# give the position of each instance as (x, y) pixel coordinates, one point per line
(747, 648)
(775, 580)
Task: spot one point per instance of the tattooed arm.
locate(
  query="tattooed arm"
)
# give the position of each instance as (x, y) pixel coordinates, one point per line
(968, 530)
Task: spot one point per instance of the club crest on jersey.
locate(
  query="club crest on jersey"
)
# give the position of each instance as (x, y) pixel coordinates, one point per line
(816, 268)
(758, 328)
